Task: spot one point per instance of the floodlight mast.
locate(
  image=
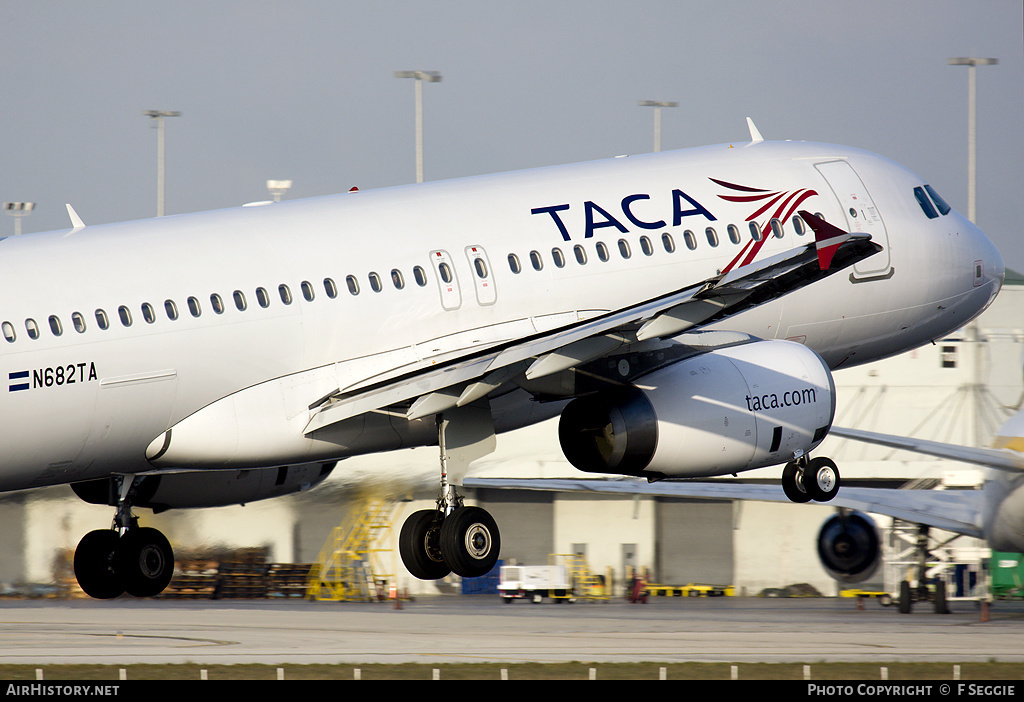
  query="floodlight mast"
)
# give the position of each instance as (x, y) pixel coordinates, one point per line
(159, 116)
(18, 210)
(972, 64)
(419, 76)
(657, 105)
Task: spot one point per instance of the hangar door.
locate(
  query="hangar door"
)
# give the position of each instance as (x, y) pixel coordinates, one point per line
(694, 542)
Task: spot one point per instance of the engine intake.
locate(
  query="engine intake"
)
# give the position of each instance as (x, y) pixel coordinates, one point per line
(849, 546)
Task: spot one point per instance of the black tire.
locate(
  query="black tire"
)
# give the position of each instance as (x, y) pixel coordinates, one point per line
(905, 597)
(95, 564)
(940, 598)
(470, 542)
(145, 561)
(821, 479)
(419, 545)
(793, 485)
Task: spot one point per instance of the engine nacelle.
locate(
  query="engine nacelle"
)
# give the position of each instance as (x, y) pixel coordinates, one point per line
(849, 546)
(208, 488)
(725, 411)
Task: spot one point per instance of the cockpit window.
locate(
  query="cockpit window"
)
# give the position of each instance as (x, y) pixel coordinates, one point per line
(925, 203)
(944, 208)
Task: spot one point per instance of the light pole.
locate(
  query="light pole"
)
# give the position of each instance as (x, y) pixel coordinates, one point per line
(657, 118)
(18, 210)
(419, 76)
(278, 188)
(159, 115)
(972, 64)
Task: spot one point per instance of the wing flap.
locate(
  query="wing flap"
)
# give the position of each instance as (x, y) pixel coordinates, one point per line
(564, 347)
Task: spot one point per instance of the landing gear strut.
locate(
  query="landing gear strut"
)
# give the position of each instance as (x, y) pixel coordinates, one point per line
(451, 537)
(816, 479)
(125, 558)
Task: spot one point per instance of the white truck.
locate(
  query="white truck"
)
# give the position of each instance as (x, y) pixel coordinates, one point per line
(535, 583)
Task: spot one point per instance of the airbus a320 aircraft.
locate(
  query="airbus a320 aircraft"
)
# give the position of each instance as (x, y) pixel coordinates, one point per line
(681, 311)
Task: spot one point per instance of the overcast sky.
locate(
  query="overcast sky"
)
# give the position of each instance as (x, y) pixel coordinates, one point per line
(305, 90)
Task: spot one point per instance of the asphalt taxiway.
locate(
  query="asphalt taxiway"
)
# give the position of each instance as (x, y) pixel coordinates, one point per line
(465, 629)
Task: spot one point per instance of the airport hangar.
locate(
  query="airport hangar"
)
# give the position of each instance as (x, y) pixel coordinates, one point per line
(958, 390)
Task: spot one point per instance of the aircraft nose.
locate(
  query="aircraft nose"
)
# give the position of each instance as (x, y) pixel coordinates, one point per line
(991, 261)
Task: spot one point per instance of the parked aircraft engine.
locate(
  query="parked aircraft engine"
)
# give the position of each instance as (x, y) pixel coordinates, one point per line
(208, 488)
(732, 409)
(849, 546)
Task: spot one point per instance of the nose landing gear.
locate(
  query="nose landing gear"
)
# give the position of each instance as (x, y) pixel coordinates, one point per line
(805, 480)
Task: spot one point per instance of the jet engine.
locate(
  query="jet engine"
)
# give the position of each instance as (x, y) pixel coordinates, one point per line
(728, 410)
(208, 488)
(849, 546)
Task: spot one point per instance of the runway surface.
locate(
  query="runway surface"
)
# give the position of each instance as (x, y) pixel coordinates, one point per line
(467, 629)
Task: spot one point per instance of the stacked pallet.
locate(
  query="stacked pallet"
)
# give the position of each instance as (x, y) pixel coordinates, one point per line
(239, 574)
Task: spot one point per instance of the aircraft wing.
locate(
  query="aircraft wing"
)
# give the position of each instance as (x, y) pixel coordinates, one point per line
(1011, 461)
(958, 511)
(435, 387)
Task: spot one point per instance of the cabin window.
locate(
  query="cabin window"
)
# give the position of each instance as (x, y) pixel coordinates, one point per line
(9, 333)
(217, 303)
(690, 240)
(55, 325)
(558, 257)
(397, 279)
(581, 254)
(798, 225)
(375, 283)
(776, 228)
(353, 284)
(734, 233)
(330, 288)
(668, 242)
(240, 302)
(171, 309)
(307, 290)
(755, 231)
(420, 275)
(624, 248)
(712, 236)
(646, 246)
(480, 267)
(148, 313)
(32, 328)
(193, 307)
(101, 319)
(513, 265)
(78, 320)
(285, 292)
(262, 297)
(125, 316)
(536, 261)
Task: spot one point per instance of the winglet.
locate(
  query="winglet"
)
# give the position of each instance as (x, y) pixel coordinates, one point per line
(755, 136)
(827, 238)
(76, 221)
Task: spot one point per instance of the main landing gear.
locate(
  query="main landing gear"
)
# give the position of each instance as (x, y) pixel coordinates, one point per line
(816, 479)
(125, 558)
(451, 538)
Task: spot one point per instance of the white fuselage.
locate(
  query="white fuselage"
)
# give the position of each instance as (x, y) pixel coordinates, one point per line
(84, 402)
